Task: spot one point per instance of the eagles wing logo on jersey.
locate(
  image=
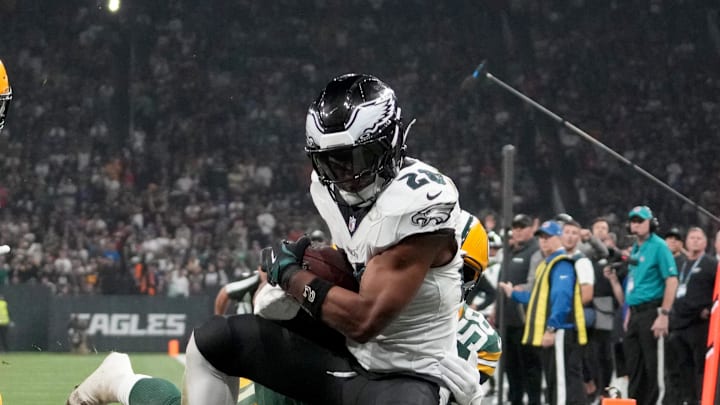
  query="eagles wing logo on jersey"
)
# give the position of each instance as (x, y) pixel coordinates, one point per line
(438, 214)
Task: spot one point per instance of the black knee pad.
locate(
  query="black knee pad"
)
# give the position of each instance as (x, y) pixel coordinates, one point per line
(214, 340)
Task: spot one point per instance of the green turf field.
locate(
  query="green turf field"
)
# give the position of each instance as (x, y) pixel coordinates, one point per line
(48, 378)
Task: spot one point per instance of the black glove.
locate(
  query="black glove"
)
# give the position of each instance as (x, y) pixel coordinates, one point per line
(287, 261)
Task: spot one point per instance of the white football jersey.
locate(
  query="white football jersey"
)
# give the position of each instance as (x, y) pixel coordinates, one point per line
(418, 200)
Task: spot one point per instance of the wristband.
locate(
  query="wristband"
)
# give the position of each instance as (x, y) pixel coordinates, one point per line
(663, 311)
(314, 295)
(550, 329)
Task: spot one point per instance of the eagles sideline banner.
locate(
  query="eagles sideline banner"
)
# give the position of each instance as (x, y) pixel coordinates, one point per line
(124, 322)
(133, 323)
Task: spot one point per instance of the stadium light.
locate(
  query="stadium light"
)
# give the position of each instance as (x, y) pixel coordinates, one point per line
(113, 5)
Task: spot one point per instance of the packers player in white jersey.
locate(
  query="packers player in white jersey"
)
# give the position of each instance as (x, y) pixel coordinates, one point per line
(393, 341)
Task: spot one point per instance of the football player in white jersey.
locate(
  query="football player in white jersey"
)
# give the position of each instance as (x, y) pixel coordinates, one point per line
(393, 341)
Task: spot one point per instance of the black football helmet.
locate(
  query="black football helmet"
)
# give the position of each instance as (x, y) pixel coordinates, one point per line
(5, 95)
(355, 137)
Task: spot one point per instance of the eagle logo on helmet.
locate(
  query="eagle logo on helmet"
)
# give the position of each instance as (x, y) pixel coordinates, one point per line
(382, 110)
(365, 123)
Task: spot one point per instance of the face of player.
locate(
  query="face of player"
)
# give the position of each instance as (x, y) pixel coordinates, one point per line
(349, 168)
(570, 237)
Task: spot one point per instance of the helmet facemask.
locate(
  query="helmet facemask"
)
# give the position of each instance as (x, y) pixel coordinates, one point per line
(358, 173)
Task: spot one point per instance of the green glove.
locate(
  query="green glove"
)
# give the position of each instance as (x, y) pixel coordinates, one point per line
(287, 261)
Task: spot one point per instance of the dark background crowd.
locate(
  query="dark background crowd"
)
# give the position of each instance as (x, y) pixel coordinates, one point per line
(156, 150)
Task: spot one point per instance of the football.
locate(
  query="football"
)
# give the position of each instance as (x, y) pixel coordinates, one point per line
(330, 265)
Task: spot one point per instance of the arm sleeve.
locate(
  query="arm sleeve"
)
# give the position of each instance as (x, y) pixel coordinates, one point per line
(585, 272)
(666, 262)
(535, 260)
(561, 293)
(522, 297)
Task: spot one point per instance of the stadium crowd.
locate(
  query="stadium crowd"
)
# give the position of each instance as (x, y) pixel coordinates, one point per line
(155, 151)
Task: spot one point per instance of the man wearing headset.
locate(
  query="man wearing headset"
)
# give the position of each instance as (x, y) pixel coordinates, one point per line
(650, 292)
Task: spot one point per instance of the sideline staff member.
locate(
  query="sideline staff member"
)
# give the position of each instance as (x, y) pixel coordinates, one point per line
(650, 292)
(689, 320)
(555, 320)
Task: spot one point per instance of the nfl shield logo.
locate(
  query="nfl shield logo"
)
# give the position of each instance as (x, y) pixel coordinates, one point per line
(351, 223)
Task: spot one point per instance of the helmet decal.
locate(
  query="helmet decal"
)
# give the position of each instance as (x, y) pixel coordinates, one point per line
(381, 111)
(365, 123)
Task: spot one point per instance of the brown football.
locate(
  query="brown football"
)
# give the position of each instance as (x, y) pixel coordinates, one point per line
(330, 265)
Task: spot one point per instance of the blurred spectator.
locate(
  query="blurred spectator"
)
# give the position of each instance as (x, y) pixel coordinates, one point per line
(179, 285)
(5, 324)
(520, 362)
(674, 240)
(689, 321)
(200, 156)
(554, 320)
(599, 352)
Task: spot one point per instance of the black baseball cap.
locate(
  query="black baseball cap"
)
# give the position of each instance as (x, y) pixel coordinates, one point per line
(674, 232)
(521, 221)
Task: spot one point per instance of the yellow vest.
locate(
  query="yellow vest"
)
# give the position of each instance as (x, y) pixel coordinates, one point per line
(539, 307)
(4, 314)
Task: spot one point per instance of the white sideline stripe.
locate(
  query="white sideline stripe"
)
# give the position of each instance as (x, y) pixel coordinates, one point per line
(244, 394)
(560, 383)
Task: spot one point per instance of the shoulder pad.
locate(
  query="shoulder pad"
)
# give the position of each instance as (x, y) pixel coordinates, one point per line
(419, 200)
(419, 189)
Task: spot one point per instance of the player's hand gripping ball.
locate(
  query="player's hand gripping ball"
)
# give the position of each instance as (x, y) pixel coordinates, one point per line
(287, 258)
(325, 262)
(331, 265)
